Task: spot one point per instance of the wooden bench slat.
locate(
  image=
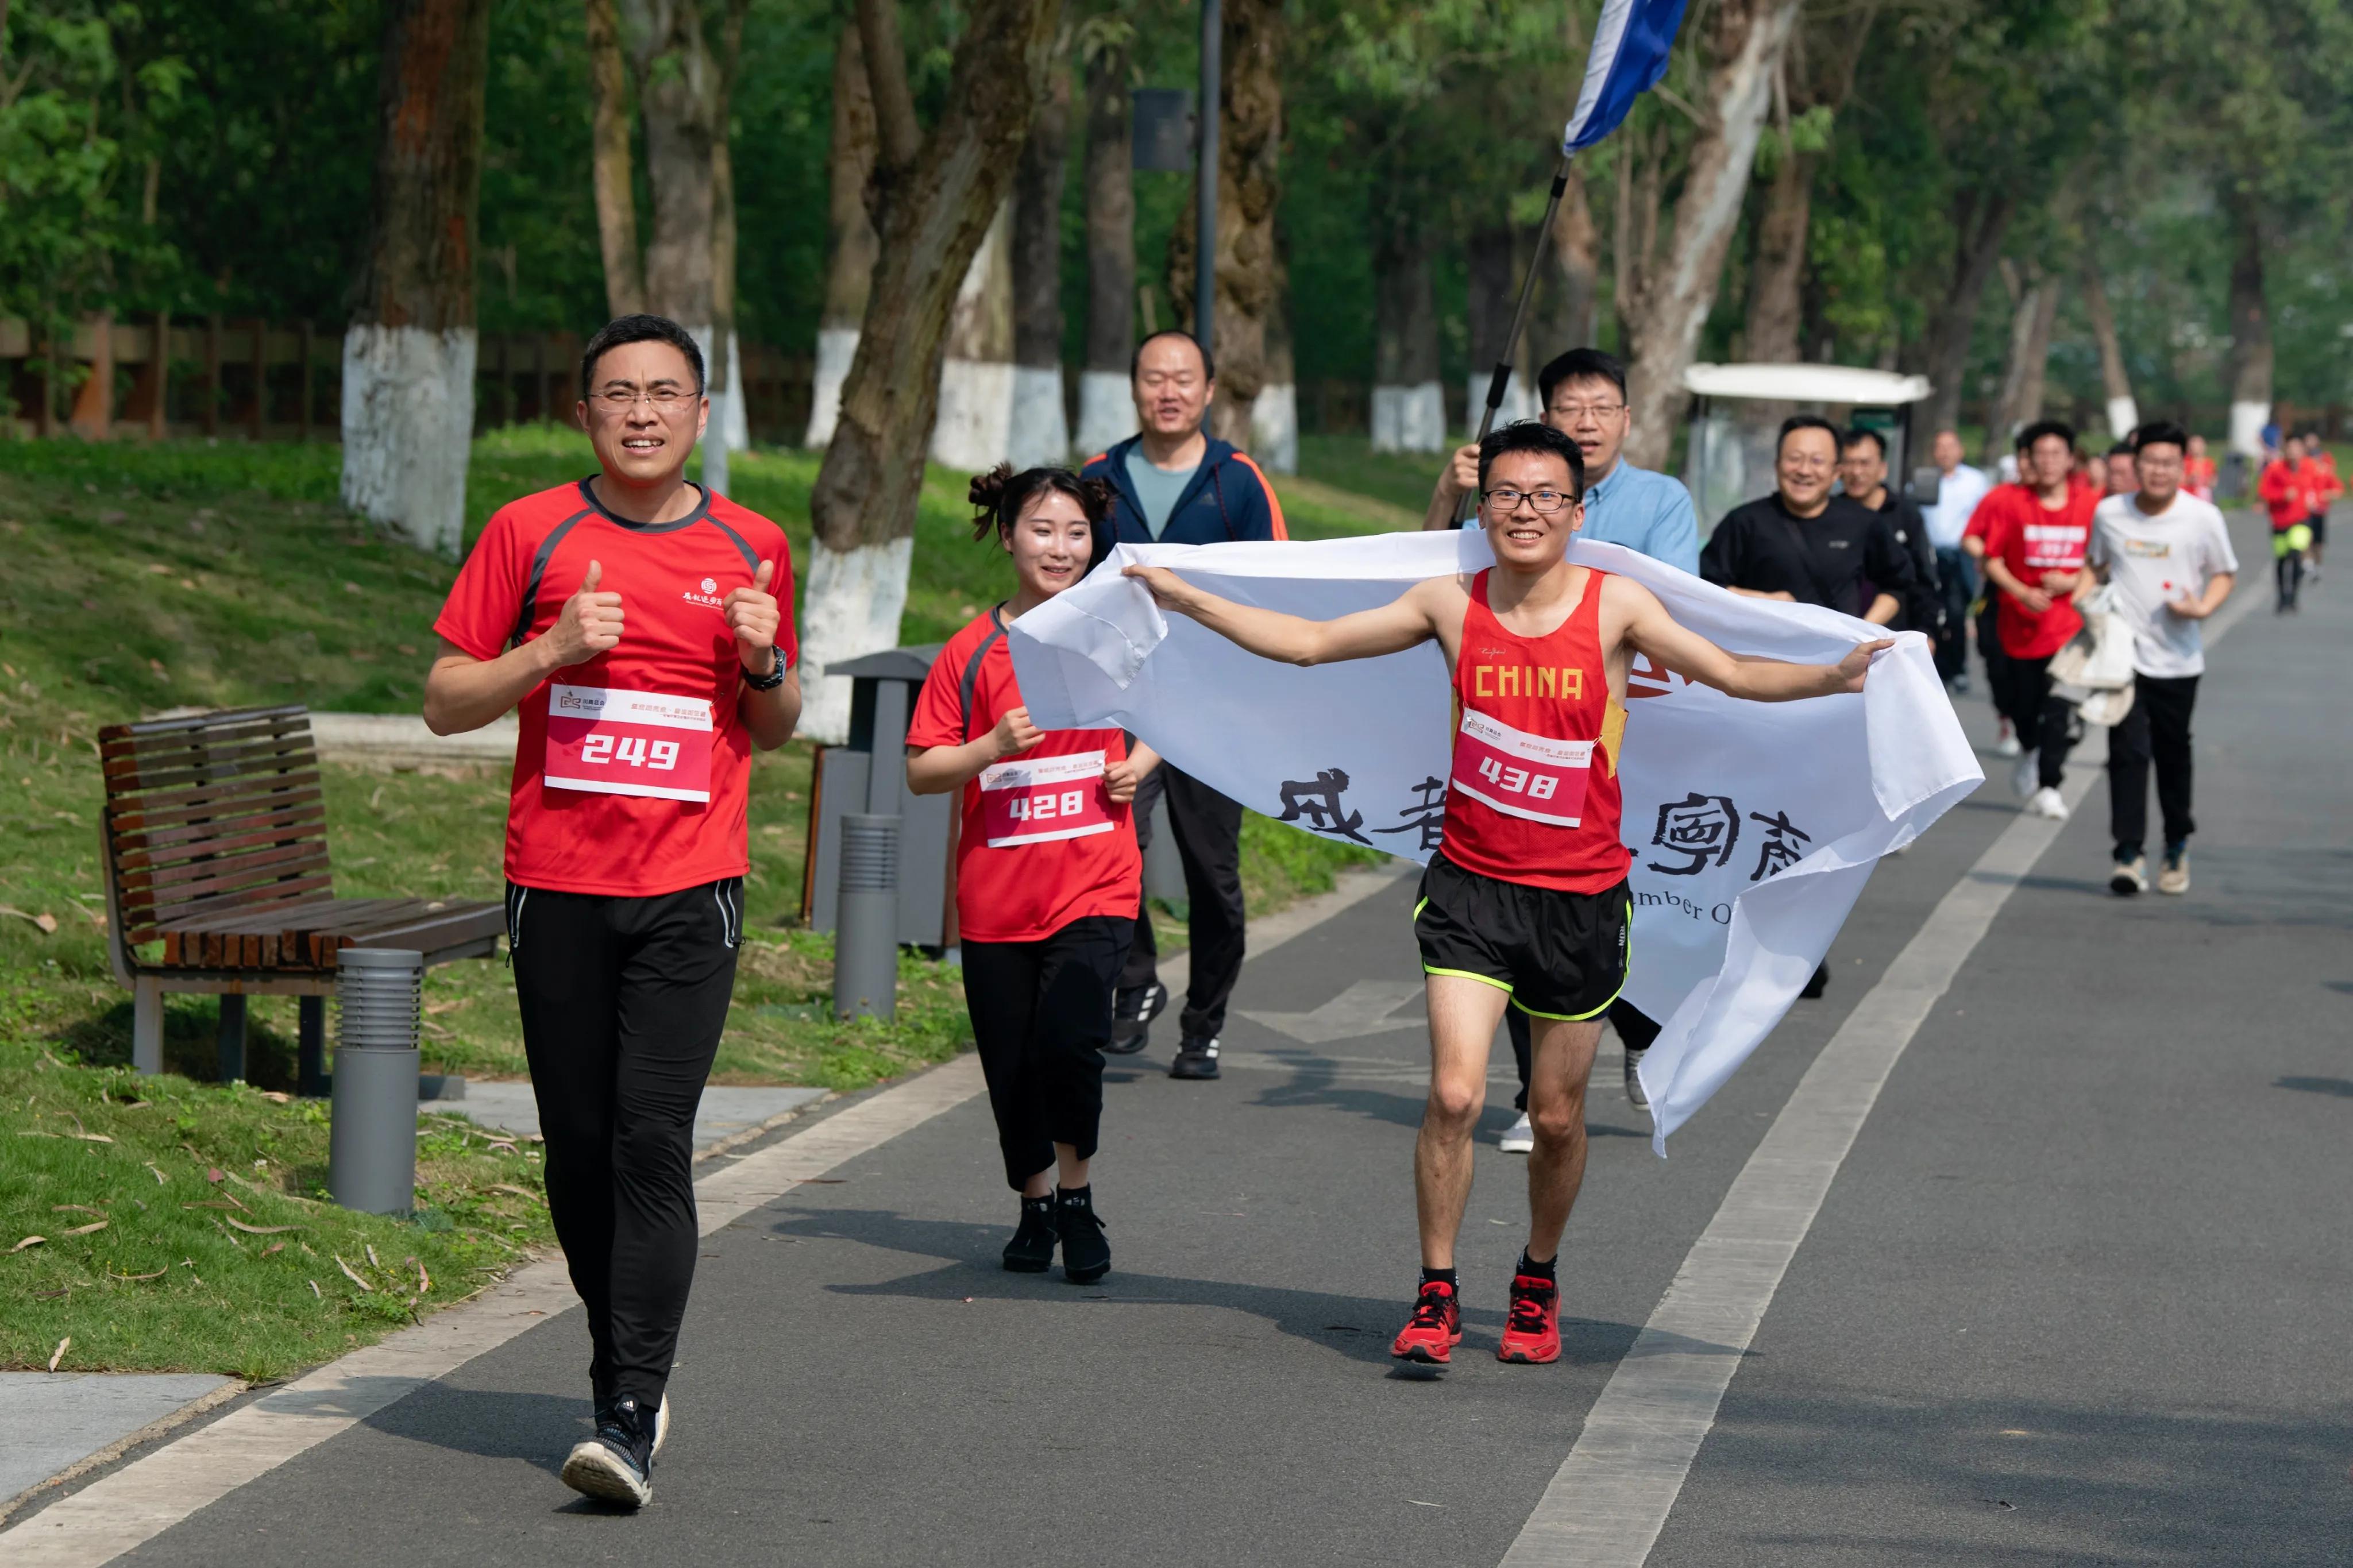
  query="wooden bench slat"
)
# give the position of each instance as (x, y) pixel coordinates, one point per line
(207, 776)
(196, 745)
(132, 818)
(164, 881)
(170, 844)
(171, 943)
(144, 728)
(447, 929)
(255, 881)
(195, 851)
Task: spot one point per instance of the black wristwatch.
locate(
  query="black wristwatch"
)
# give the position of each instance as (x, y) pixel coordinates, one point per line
(774, 678)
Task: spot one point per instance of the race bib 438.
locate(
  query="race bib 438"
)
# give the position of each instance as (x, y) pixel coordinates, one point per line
(1520, 774)
(628, 742)
(1024, 802)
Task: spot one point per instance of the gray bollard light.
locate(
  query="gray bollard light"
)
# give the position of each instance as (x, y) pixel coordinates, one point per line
(372, 1142)
(866, 921)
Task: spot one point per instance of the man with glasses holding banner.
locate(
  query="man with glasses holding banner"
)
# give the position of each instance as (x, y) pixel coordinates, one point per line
(641, 625)
(1584, 394)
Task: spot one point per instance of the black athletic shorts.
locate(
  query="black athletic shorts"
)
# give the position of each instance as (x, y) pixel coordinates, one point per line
(2319, 522)
(1559, 955)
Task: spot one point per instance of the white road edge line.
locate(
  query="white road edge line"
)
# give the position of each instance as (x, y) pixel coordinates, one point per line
(138, 1502)
(1606, 1505)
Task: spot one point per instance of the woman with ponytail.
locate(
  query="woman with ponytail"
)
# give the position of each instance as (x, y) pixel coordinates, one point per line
(1048, 879)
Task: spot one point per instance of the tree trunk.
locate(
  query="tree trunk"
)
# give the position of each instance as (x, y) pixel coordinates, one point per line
(1572, 294)
(408, 355)
(617, 201)
(850, 244)
(1747, 40)
(2123, 410)
(1040, 428)
(974, 427)
(1777, 278)
(1489, 272)
(678, 82)
(2249, 365)
(936, 196)
(1250, 139)
(1408, 412)
(1981, 222)
(2034, 308)
(1106, 405)
(1274, 417)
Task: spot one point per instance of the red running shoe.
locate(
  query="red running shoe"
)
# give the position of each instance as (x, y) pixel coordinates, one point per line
(1531, 1331)
(1431, 1335)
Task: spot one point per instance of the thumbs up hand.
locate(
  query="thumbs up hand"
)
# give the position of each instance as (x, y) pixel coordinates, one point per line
(752, 615)
(590, 623)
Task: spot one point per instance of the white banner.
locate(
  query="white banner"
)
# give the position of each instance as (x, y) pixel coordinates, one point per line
(1753, 826)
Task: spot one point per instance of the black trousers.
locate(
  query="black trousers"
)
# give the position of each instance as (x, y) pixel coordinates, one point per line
(623, 1001)
(1040, 1016)
(1208, 829)
(2155, 729)
(1635, 1032)
(2045, 722)
(1997, 668)
(1957, 581)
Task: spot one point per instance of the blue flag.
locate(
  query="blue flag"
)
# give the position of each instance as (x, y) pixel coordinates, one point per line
(1629, 55)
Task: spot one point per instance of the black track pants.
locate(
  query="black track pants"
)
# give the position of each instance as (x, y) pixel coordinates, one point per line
(1040, 1015)
(1636, 1030)
(2044, 720)
(623, 1001)
(2156, 728)
(1208, 829)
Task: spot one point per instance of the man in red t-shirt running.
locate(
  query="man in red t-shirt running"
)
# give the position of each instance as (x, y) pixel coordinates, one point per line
(2287, 495)
(1526, 903)
(641, 624)
(2035, 532)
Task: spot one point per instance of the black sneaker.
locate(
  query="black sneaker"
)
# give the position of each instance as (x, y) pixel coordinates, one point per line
(1197, 1057)
(1086, 1256)
(1131, 1017)
(1031, 1250)
(604, 1413)
(616, 1465)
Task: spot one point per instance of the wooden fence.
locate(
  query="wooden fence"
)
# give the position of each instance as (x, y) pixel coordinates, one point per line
(217, 376)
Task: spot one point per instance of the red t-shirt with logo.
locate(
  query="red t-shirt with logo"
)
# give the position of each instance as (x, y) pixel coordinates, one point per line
(2031, 540)
(1039, 844)
(638, 787)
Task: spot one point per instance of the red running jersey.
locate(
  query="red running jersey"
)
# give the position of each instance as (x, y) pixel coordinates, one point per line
(633, 769)
(1039, 843)
(1533, 796)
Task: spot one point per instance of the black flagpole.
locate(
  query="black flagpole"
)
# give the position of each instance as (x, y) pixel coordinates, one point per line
(1502, 376)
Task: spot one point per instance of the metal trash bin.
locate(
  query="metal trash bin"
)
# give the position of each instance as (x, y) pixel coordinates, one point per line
(372, 1141)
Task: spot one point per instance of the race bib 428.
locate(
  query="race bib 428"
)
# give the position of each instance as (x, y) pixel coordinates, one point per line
(628, 742)
(1036, 802)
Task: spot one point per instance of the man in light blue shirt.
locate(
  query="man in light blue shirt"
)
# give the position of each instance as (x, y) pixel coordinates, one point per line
(1584, 394)
(1959, 487)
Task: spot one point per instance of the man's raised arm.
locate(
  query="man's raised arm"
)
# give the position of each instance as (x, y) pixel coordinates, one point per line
(1393, 627)
(1665, 642)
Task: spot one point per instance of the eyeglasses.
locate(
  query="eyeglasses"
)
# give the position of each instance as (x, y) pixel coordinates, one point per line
(1574, 412)
(1542, 502)
(621, 399)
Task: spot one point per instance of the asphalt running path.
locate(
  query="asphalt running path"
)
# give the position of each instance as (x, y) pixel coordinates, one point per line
(2088, 1259)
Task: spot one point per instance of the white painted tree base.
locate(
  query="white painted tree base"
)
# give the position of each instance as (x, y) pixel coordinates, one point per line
(1274, 429)
(2247, 422)
(1039, 435)
(408, 429)
(975, 426)
(727, 413)
(1409, 418)
(836, 347)
(1106, 410)
(1519, 403)
(851, 608)
(2123, 416)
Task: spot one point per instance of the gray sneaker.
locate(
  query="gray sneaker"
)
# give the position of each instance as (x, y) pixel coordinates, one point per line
(1634, 1094)
(2174, 878)
(2129, 877)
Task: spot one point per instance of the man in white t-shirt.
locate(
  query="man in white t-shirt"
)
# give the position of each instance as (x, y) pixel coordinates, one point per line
(2169, 557)
(1959, 487)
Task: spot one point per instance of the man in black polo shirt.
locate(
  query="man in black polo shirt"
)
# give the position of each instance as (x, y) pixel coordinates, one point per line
(1863, 477)
(1805, 545)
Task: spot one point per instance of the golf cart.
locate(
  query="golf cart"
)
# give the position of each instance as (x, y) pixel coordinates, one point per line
(1736, 414)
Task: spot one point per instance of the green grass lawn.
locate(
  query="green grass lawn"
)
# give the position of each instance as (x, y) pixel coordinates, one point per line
(136, 578)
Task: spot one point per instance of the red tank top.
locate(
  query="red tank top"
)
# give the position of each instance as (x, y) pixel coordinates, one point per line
(1533, 796)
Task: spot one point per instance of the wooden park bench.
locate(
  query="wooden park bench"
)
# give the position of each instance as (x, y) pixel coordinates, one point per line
(215, 846)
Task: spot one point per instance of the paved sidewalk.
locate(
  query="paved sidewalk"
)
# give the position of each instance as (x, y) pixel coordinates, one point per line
(57, 1419)
(725, 1112)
